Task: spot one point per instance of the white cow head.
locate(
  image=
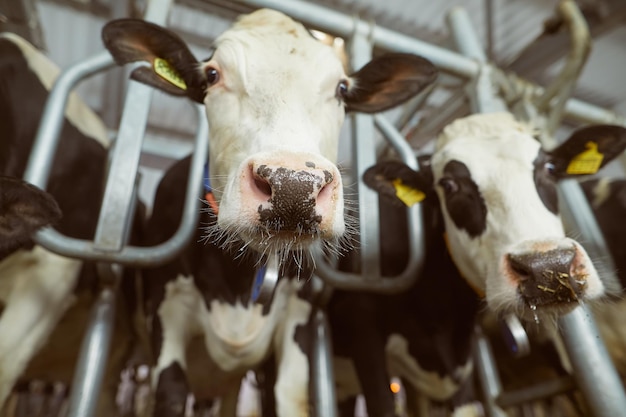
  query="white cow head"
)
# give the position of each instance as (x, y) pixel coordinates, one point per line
(275, 99)
(498, 195)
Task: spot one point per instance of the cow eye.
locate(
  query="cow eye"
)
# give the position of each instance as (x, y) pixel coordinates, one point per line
(449, 185)
(212, 75)
(342, 89)
(549, 168)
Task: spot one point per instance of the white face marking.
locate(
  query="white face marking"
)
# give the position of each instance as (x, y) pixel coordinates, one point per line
(499, 154)
(275, 104)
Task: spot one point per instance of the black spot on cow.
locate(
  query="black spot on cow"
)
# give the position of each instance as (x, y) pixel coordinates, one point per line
(173, 386)
(309, 164)
(463, 199)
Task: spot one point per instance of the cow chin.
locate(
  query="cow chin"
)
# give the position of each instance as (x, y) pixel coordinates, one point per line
(249, 234)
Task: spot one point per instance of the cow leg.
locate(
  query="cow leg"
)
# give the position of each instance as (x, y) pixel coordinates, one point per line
(366, 347)
(41, 294)
(292, 346)
(228, 404)
(176, 320)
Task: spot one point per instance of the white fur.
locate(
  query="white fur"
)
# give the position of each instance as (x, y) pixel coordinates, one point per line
(499, 153)
(276, 99)
(236, 338)
(39, 292)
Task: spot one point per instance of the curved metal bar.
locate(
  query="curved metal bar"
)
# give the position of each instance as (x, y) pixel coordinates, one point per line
(140, 256)
(350, 281)
(47, 139)
(40, 163)
(449, 61)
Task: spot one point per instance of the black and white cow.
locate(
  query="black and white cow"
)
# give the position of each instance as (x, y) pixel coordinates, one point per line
(275, 99)
(422, 335)
(39, 290)
(496, 192)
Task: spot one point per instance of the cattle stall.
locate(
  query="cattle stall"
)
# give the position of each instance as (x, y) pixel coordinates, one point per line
(593, 371)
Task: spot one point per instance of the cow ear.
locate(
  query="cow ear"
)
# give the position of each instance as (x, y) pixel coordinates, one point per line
(398, 183)
(587, 150)
(173, 68)
(24, 209)
(387, 81)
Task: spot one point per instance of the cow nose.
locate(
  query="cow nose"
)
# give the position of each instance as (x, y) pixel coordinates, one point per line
(546, 277)
(298, 198)
(270, 181)
(534, 265)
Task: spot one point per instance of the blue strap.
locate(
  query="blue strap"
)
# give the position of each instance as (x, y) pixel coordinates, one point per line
(207, 180)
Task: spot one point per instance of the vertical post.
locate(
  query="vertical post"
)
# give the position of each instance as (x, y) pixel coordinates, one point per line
(111, 235)
(364, 156)
(87, 382)
(487, 371)
(323, 387)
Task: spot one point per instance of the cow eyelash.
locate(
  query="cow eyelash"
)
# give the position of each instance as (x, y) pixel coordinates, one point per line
(448, 185)
(212, 75)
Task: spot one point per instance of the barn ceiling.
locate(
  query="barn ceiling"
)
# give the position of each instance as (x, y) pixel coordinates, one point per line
(511, 31)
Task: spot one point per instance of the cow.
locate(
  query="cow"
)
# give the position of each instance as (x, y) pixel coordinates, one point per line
(414, 335)
(275, 100)
(495, 189)
(45, 295)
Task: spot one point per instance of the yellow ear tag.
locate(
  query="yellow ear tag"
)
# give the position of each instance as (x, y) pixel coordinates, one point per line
(408, 195)
(587, 162)
(168, 73)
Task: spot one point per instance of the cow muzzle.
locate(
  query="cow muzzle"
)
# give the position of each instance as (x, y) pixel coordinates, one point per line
(554, 277)
(292, 201)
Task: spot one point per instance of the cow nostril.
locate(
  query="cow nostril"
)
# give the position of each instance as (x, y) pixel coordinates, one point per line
(263, 186)
(522, 270)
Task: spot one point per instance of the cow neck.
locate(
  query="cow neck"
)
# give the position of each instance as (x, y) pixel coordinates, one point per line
(208, 191)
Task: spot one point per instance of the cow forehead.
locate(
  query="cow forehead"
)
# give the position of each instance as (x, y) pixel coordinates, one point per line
(268, 49)
(489, 156)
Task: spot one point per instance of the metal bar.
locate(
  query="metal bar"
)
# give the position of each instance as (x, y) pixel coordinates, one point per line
(129, 255)
(348, 281)
(111, 235)
(537, 392)
(593, 369)
(46, 141)
(481, 89)
(364, 156)
(124, 159)
(449, 61)
(324, 400)
(87, 382)
(344, 26)
(487, 372)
